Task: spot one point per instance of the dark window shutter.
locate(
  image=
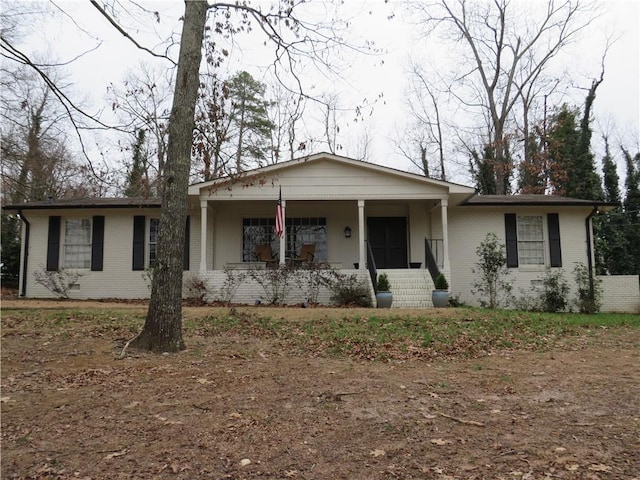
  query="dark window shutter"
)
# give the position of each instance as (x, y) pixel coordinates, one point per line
(187, 240)
(53, 244)
(138, 242)
(555, 253)
(511, 234)
(97, 243)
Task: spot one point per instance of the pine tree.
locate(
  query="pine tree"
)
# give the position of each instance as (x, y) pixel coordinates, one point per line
(532, 171)
(612, 246)
(249, 115)
(572, 170)
(586, 182)
(562, 138)
(483, 172)
(632, 209)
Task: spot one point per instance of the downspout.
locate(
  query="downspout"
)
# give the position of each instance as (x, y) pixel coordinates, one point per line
(587, 224)
(25, 259)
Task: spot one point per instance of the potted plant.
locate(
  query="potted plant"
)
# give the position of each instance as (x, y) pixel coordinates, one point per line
(384, 297)
(440, 296)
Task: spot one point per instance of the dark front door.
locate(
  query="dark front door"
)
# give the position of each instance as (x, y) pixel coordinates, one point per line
(388, 240)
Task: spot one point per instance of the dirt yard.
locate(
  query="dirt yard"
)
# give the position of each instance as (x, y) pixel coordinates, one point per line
(243, 407)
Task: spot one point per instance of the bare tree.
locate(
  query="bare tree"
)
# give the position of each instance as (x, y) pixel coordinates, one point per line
(143, 102)
(426, 130)
(286, 113)
(507, 47)
(36, 162)
(162, 330)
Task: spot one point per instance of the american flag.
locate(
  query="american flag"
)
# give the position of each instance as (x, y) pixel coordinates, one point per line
(279, 218)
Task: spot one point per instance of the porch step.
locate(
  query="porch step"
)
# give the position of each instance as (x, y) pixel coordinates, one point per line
(411, 288)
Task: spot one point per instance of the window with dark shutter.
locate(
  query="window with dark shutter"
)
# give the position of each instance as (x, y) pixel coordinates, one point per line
(138, 242)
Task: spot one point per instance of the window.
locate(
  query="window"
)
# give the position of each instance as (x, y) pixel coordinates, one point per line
(154, 223)
(143, 237)
(530, 240)
(525, 240)
(77, 243)
(307, 230)
(260, 231)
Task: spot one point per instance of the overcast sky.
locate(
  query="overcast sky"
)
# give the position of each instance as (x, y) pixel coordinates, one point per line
(617, 103)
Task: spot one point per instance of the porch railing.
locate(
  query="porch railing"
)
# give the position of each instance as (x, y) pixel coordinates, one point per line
(433, 249)
(371, 266)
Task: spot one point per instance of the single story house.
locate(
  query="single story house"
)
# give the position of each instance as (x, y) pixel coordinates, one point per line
(357, 216)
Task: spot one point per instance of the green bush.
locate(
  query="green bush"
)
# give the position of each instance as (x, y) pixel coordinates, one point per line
(441, 282)
(555, 292)
(491, 272)
(383, 283)
(588, 297)
(349, 290)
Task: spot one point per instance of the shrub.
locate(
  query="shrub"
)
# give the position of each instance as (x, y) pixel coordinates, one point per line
(441, 282)
(492, 271)
(589, 294)
(232, 280)
(311, 276)
(57, 282)
(274, 281)
(555, 292)
(349, 290)
(383, 283)
(196, 288)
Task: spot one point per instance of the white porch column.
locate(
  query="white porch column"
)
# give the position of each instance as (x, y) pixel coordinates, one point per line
(362, 253)
(203, 235)
(283, 238)
(445, 236)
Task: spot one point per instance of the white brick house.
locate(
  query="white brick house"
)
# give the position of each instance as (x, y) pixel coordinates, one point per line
(356, 214)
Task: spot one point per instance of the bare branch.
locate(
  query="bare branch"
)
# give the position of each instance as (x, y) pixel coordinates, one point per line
(126, 34)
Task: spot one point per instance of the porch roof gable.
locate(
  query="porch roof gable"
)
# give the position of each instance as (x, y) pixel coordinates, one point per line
(325, 176)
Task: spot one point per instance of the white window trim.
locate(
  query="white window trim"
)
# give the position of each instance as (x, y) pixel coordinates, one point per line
(532, 267)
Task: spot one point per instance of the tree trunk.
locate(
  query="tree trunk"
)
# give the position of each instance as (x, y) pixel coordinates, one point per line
(162, 331)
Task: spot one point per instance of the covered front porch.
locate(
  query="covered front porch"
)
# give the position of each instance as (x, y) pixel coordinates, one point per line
(345, 234)
(337, 212)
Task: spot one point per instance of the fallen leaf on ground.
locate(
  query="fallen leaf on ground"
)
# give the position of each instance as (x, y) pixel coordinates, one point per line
(599, 467)
(116, 454)
(439, 441)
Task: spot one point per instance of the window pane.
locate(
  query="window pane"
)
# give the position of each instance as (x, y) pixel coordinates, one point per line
(154, 224)
(261, 231)
(77, 243)
(529, 228)
(530, 240)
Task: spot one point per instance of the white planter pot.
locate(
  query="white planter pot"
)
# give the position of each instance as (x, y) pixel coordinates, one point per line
(384, 299)
(440, 298)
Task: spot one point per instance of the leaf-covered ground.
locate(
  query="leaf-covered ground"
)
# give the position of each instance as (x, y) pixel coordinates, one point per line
(317, 394)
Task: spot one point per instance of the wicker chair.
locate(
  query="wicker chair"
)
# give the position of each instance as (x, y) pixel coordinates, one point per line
(307, 254)
(265, 254)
